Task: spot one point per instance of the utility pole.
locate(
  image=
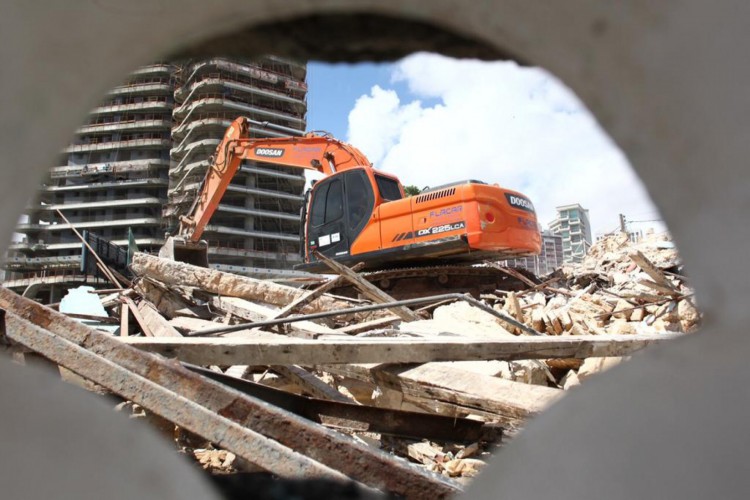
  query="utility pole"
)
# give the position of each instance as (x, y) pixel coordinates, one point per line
(622, 223)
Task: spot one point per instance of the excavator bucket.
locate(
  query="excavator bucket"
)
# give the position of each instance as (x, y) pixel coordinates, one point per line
(181, 250)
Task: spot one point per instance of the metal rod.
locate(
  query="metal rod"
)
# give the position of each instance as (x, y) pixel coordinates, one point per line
(372, 307)
(104, 269)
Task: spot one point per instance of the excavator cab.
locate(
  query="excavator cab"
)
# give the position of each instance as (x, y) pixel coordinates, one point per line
(340, 207)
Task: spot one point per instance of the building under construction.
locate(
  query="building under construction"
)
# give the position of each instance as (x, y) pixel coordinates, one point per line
(138, 162)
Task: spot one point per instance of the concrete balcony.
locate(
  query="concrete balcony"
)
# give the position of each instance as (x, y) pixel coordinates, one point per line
(115, 167)
(125, 126)
(32, 263)
(207, 146)
(224, 230)
(113, 203)
(157, 106)
(216, 85)
(254, 212)
(142, 88)
(216, 248)
(274, 173)
(141, 242)
(108, 146)
(155, 69)
(50, 228)
(216, 126)
(125, 184)
(252, 72)
(215, 104)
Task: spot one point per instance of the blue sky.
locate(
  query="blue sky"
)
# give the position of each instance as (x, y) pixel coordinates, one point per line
(432, 120)
(333, 90)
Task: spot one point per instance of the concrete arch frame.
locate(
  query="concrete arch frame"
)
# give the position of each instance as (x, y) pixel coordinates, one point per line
(666, 79)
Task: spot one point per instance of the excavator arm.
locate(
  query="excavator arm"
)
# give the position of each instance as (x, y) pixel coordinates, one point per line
(311, 151)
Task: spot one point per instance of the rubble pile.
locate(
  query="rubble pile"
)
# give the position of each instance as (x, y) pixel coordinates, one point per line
(619, 288)
(305, 384)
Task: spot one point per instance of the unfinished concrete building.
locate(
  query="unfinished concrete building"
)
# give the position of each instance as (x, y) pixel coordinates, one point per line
(549, 259)
(256, 227)
(116, 175)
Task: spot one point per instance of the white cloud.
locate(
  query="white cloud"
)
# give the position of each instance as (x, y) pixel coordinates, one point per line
(500, 123)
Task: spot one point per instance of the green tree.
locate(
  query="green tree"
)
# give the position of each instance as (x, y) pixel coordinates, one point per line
(411, 190)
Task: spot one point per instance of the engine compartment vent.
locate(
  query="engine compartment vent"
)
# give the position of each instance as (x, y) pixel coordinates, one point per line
(434, 195)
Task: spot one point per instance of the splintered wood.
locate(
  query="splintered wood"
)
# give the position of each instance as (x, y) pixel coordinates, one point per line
(458, 362)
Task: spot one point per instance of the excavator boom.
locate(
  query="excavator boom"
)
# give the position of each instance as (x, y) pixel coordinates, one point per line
(311, 152)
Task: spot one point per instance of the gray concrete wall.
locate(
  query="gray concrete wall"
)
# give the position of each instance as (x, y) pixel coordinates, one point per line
(666, 79)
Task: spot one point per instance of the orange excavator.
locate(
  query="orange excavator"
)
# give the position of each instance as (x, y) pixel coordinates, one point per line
(359, 214)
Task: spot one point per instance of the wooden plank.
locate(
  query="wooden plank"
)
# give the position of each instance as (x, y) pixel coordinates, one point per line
(250, 311)
(368, 325)
(667, 290)
(511, 272)
(307, 298)
(157, 324)
(368, 289)
(515, 307)
(310, 383)
(510, 402)
(145, 327)
(649, 268)
(226, 284)
(124, 319)
(237, 351)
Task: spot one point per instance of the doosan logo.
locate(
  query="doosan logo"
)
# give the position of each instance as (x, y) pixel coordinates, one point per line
(520, 202)
(269, 152)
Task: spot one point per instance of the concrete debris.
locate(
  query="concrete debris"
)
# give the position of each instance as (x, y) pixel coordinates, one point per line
(477, 363)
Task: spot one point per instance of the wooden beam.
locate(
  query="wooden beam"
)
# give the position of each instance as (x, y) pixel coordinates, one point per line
(226, 284)
(234, 351)
(250, 311)
(307, 298)
(666, 290)
(368, 289)
(124, 319)
(310, 383)
(102, 266)
(145, 326)
(649, 268)
(364, 326)
(157, 324)
(511, 272)
(455, 389)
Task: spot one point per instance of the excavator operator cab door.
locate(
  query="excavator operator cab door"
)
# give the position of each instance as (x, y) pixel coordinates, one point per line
(340, 207)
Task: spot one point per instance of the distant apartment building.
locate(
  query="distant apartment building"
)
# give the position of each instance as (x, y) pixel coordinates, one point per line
(137, 162)
(573, 225)
(550, 258)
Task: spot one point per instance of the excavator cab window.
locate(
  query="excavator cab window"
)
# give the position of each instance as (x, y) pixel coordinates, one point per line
(334, 202)
(318, 209)
(359, 200)
(328, 204)
(389, 188)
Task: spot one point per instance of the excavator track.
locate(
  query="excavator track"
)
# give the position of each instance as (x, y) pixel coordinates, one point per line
(412, 282)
